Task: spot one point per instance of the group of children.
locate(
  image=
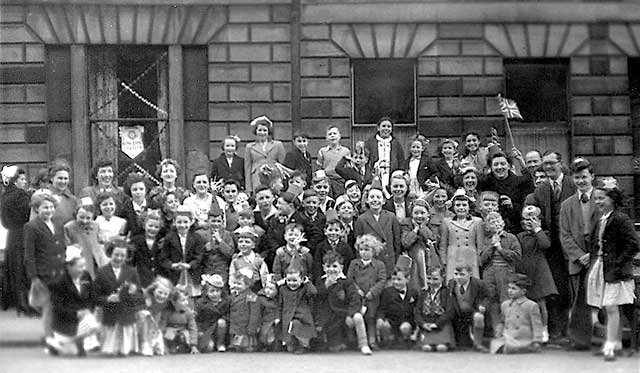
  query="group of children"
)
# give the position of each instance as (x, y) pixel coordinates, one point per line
(388, 260)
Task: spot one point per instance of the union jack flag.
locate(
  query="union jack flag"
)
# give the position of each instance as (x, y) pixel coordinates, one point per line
(509, 108)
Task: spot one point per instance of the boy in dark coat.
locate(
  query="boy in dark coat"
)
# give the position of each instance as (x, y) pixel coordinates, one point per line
(333, 230)
(394, 318)
(299, 158)
(338, 306)
(470, 301)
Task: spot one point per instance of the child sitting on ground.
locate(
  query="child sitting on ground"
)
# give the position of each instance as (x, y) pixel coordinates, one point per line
(181, 333)
(521, 327)
(395, 320)
(267, 319)
(470, 302)
(295, 299)
(212, 314)
(370, 276)
(434, 312)
(338, 307)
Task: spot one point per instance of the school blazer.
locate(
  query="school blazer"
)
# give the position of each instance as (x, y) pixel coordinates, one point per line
(479, 294)
(66, 301)
(425, 168)
(44, 251)
(445, 173)
(619, 245)
(295, 160)
(171, 252)
(542, 197)
(220, 169)
(106, 284)
(387, 229)
(348, 172)
(571, 231)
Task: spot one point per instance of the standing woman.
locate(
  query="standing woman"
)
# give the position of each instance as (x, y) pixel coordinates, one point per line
(168, 171)
(102, 175)
(386, 153)
(263, 154)
(15, 214)
(610, 281)
(65, 211)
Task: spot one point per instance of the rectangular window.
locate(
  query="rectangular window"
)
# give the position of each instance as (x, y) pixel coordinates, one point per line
(384, 87)
(139, 111)
(539, 87)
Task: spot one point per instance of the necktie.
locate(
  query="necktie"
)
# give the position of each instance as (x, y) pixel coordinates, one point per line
(584, 198)
(462, 291)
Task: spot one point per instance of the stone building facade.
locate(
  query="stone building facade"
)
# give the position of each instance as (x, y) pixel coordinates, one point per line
(218, 63)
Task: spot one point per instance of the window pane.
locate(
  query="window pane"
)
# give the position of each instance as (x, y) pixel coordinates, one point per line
(539, 87)
(383, 87)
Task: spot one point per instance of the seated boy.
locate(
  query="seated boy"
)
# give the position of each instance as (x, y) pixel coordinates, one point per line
(338, 306)
(395, 319)
(470, 302)
(521, 326)
(334, 231)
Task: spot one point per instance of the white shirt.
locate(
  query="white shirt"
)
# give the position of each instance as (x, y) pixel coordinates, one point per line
(414, 165)
(183, 242)
(116, 271)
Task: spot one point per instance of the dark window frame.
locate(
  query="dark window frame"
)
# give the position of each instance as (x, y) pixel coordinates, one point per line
(535, 105)
(372, 120)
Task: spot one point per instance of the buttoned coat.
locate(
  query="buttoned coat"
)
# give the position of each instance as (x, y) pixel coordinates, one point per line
(44, 250)
(572, 231)
(106, 284)
(522, 324)
(220, 169)
(619, 245)
(296, 305)
(387, 230)
(394, 308)
(171, 252)
(255, 156)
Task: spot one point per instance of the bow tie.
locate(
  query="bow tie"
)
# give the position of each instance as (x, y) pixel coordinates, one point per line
(402, 292)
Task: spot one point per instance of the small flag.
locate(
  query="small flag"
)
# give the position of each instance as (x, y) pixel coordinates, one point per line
(509, 108)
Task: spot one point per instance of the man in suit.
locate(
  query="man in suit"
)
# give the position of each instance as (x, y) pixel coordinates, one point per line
(228, 166)
(382, 224)
(548, 197)
(578, 217)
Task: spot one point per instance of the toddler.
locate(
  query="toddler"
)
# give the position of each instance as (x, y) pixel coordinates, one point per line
(212, 314)
(294, 306)
(267, 317)
(243, 309)
(181, 332)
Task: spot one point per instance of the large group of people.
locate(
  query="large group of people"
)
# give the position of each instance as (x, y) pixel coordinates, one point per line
(470, 248)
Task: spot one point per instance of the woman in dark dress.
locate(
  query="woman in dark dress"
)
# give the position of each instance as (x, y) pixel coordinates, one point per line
(15, 214)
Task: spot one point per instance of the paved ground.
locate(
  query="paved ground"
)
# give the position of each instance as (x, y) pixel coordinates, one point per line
(19, 353)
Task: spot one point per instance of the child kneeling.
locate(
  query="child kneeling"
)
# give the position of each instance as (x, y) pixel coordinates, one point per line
(212, 314)
(339, 306)
(434, 313)
(394, 319)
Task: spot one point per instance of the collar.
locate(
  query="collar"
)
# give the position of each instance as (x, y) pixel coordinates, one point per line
(606, 216)
(249, 257)
(518, 301)
(333, 243)
(340, 276)
(588, 193)
(431, 291)
(403, 291)
(365, 262)
(385, 141)
(559, 179)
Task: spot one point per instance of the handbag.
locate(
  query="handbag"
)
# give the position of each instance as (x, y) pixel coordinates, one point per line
(38, 294)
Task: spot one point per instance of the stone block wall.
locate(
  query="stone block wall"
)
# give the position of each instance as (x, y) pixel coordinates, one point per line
(601, 115)
(250, 74)
(23, 132)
